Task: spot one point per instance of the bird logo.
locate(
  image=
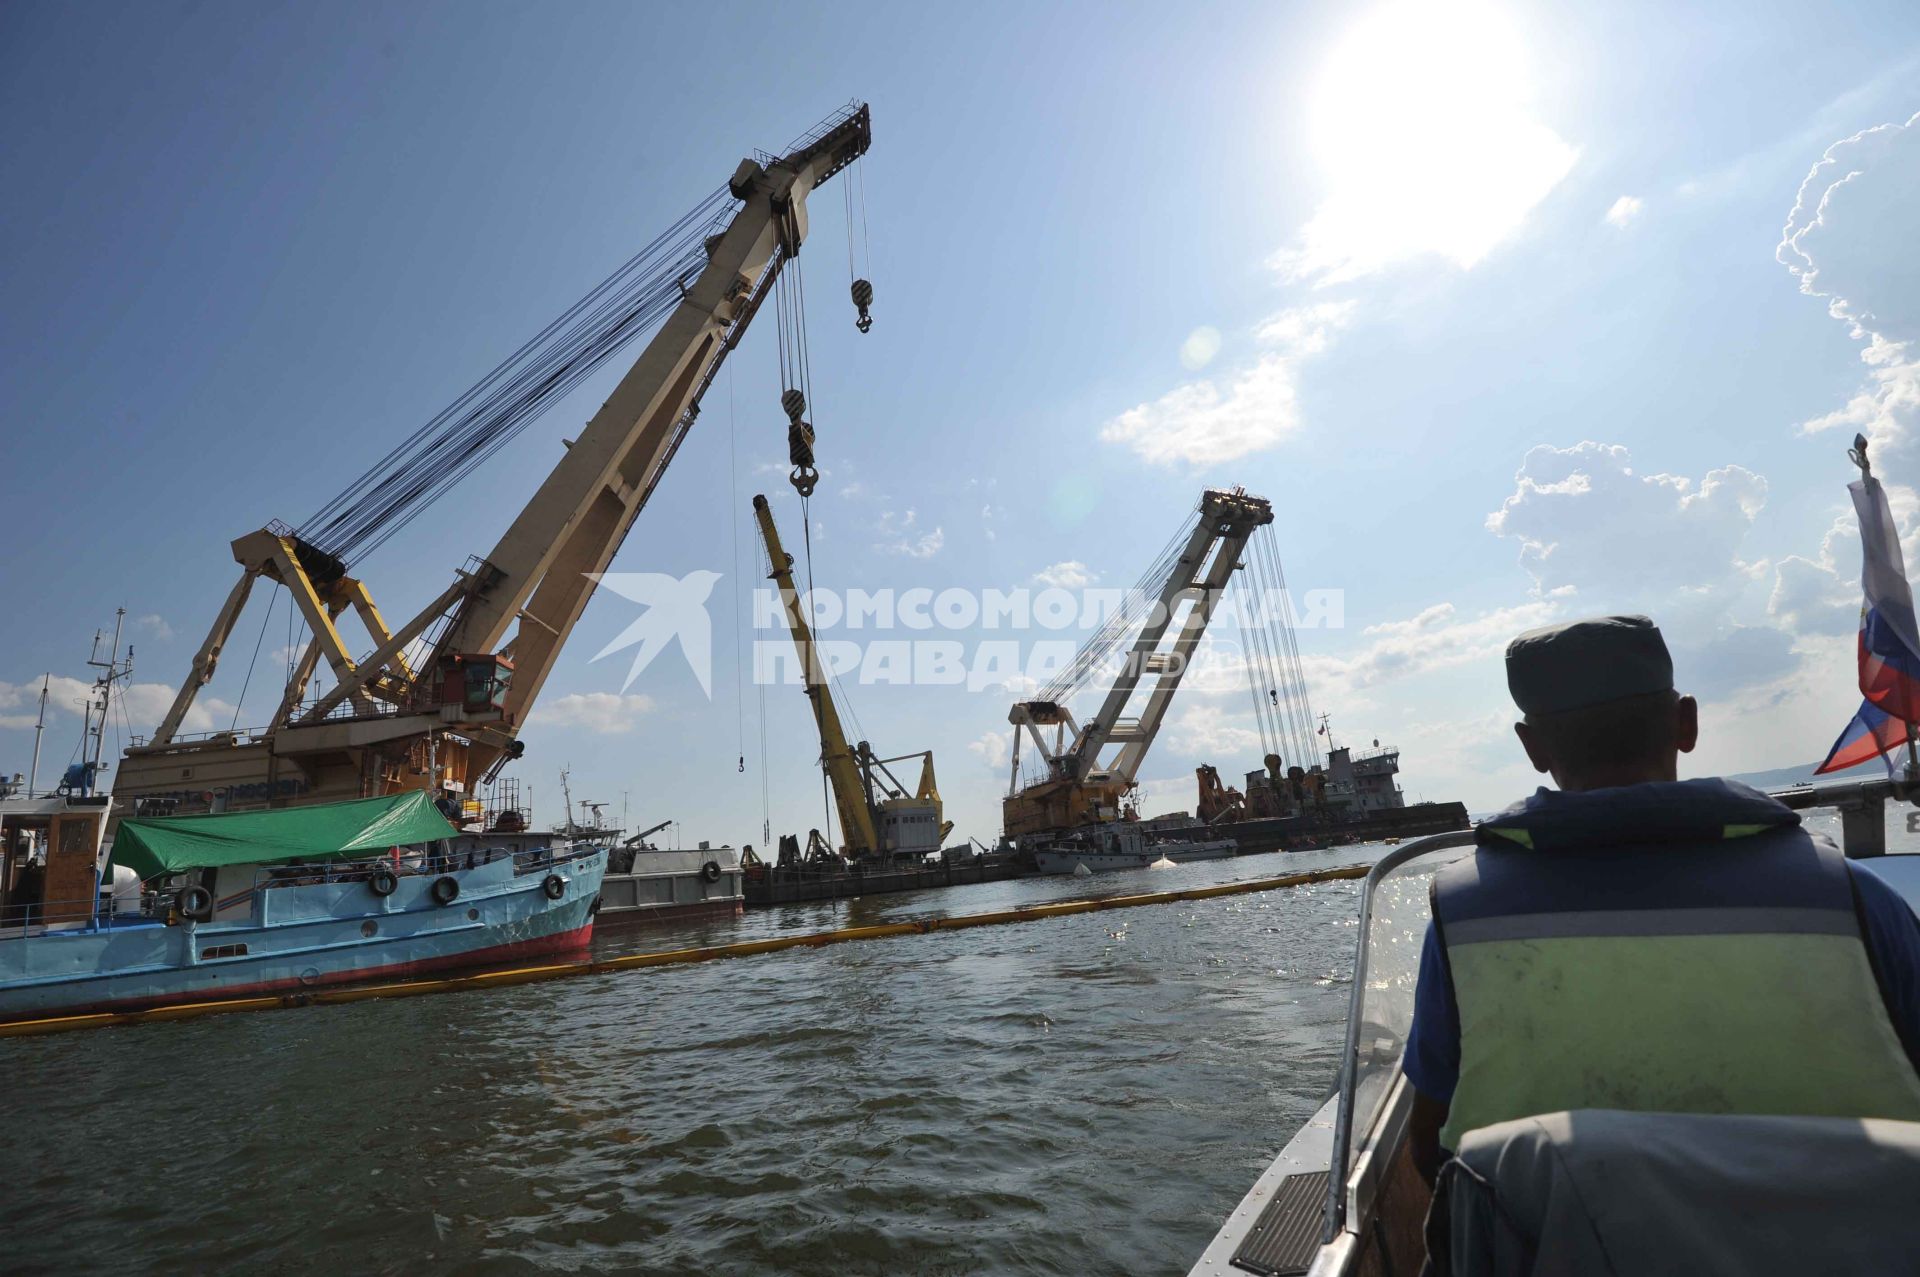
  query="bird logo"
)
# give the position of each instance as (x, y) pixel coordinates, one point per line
(676, 609)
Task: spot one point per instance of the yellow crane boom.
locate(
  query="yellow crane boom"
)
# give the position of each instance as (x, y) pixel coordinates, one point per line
(842, 766)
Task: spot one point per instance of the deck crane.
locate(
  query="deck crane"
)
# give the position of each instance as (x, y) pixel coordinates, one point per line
(441, 698)
(879, 816)
(1193, 570)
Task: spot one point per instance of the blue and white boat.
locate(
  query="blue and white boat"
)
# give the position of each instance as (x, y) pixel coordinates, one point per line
(194, 908)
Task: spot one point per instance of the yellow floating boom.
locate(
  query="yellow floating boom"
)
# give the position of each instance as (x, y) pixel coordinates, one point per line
(667, 958)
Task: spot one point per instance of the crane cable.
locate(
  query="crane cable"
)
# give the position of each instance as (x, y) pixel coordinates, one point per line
(739, 578)
(1248, 620)
(1134, 607)
(1291, 635)
(247, 682)
(812, 655)
(425, 465)
(796, 386)
(861, 286)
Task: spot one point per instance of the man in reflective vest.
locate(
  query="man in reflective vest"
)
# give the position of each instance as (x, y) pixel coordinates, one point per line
(1634, 941)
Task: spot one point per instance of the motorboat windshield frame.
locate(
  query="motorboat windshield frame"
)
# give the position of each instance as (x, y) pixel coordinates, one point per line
(1862, 809)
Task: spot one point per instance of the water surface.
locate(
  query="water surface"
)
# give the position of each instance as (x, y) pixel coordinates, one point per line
(1090, 1093)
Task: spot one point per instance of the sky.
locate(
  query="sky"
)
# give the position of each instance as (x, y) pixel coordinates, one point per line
(1516, 312)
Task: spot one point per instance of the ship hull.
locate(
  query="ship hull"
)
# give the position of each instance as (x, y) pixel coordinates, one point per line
(1263, 834)
(672, 886)
(1056, 861)
(305, 936)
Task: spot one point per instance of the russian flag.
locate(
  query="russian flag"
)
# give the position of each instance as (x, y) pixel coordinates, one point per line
(1889, 639)
(1873, 732)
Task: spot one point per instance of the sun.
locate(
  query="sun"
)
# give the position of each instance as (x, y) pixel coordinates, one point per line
(1422, 124)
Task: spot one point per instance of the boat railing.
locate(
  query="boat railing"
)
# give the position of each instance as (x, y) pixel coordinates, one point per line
(1368, 1067)
(28, 919)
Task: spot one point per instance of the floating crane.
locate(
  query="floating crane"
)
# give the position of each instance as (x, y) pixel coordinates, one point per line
(441, 698)
(878, 815)
(1077, 788)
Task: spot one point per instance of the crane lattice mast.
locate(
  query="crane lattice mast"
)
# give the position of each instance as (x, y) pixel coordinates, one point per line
(1078, 788)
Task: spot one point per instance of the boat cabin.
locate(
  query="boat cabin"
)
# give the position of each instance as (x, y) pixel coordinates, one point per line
(50, 858)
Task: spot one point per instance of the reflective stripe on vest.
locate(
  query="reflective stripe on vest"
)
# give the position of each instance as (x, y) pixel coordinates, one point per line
(1748, 990)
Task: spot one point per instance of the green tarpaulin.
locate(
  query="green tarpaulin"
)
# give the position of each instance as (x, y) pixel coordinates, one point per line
(325, 831)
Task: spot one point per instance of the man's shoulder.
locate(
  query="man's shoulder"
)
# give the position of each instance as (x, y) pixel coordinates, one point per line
(1705, 810)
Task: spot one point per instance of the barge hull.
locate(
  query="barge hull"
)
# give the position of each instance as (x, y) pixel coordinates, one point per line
(793, 886)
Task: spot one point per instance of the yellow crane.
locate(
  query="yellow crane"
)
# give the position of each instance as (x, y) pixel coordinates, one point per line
(878, 815)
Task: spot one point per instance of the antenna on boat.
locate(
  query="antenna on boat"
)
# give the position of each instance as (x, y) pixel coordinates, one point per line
(39, 726)
(112, 669)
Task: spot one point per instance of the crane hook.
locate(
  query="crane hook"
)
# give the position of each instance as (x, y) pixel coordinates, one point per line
(863, 298)
(799, 443)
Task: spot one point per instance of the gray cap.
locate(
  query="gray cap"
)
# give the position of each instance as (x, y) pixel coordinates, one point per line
(1587, 662)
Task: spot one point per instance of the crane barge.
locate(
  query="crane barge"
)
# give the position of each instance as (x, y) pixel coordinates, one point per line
(439, 702)
(1076, 788)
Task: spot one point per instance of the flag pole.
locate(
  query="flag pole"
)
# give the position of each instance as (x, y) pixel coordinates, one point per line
(1911, 772)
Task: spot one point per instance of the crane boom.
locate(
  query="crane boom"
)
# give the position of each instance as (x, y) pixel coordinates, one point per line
(541, 573)
(492, 636)
(1077, 789)
(842, 766)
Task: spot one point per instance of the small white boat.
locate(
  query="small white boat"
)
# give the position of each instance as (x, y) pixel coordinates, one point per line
(1109, 848)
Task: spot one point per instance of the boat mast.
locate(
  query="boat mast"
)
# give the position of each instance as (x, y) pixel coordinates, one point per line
(112, 669)
(39, 726)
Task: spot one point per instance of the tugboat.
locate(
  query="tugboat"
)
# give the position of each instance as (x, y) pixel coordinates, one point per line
(192, 908)
(1122, 845)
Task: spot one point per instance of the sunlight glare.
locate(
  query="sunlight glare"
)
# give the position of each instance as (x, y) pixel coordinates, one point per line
(1421, 123)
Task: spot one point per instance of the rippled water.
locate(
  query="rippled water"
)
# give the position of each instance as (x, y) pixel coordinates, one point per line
(1090, 1093)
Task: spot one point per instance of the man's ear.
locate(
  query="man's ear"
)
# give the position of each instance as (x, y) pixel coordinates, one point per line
(1686, 724)
(1535, 753)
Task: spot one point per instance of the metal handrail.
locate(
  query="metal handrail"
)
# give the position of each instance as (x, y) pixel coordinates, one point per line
(1349, 1060)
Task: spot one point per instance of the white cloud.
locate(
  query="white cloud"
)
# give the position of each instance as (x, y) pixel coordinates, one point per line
(1423, 126)
(1849, 235)
(156, 625)
(1198, 350)
(992, 749)
(1587, 523)
(1815, 596)
(1203, 729)
(1305, 330)
(900, 536)
(20, 702)
(1625, 211)
(136, 706)
(1068, 574)
(1210, 421)
(1249, 410)
(1433, 639)
(1849, 238)
(602, 713)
